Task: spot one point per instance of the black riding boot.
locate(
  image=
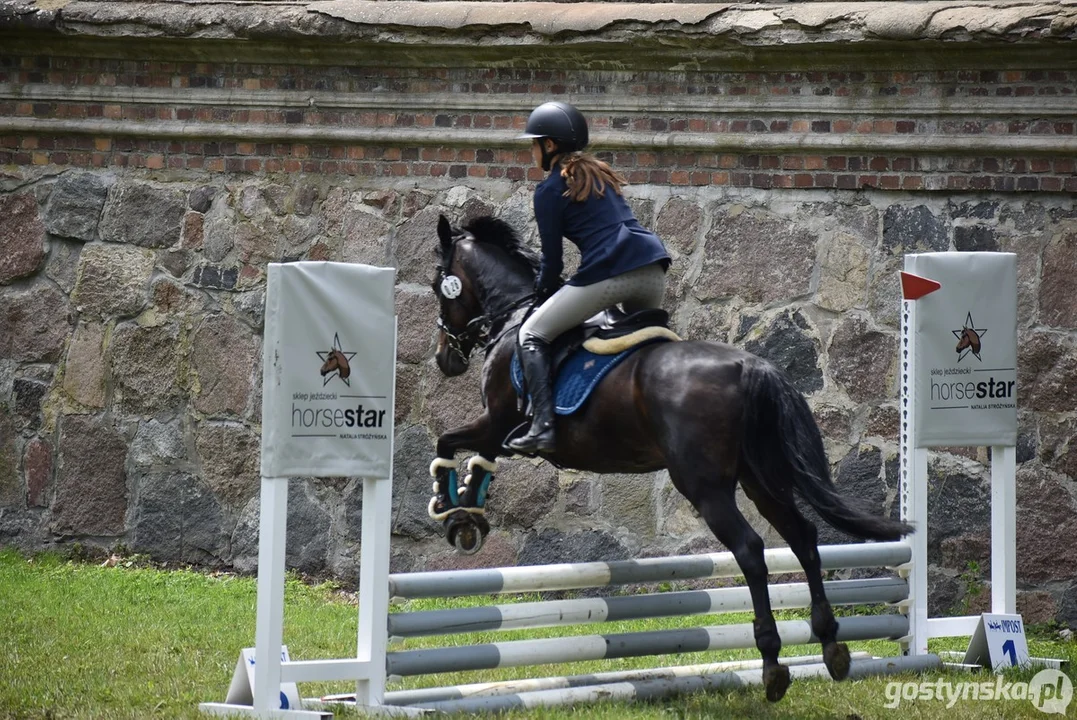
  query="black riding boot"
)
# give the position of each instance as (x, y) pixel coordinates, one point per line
(535, 360)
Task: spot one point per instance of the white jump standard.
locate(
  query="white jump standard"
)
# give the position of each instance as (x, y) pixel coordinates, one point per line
(943, 294)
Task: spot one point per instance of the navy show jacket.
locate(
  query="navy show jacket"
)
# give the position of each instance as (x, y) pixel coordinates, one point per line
(610, 239)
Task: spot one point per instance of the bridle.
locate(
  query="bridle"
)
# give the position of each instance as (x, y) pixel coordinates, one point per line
(477, 330)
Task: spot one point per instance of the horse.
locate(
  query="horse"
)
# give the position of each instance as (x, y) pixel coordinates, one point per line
(711, 414)
(968, 339)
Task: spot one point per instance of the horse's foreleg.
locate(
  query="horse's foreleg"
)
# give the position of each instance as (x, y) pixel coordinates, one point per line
(461, 506)
(480, 473)
(476, 435)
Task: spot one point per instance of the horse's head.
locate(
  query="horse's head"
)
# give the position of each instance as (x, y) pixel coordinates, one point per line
(483, 273)
(459, 329)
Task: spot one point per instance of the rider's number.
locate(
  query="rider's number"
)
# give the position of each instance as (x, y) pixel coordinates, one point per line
(451, 287)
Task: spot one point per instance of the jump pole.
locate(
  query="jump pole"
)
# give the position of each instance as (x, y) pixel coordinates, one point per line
(575, 576)
(663, 687)
(514, 687)
(942, 293)
(558, 613)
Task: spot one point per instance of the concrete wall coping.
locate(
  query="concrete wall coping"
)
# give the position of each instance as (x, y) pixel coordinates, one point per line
(523, 23)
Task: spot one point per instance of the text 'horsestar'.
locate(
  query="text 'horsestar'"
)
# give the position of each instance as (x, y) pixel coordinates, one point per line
(360, 416)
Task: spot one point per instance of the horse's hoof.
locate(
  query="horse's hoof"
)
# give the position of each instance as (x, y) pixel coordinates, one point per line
(466, 533)
(468, 540)
(776, 682)
(836, 657)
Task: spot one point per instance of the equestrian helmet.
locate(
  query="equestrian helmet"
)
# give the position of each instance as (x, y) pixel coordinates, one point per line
(560, 122)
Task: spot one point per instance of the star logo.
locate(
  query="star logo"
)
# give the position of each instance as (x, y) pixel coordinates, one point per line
(335, 362)
(969, 339)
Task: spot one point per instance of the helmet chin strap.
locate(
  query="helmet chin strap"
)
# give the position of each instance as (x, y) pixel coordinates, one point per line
(548, 156)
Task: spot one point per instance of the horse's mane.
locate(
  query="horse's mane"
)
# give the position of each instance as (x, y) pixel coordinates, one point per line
(495, 231)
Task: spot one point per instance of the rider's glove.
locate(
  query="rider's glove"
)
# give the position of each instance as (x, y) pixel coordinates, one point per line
(545, 288)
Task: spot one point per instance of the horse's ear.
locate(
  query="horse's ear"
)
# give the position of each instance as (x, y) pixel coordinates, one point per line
(444, 231)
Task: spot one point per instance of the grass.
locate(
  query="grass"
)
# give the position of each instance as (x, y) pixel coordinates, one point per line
(80, 640)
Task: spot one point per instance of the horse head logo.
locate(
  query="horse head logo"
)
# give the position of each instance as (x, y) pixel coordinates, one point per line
(969, 338)
(336, 362)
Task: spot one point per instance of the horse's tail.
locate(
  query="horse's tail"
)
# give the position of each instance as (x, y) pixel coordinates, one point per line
(781, 442)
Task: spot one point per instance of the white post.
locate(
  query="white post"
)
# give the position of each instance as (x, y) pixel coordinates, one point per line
(374, 572)
(374, 590)
(269, 624)
(913, 487)
(1003, 529)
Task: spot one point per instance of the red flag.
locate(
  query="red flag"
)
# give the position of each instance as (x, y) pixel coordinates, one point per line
(914, 287)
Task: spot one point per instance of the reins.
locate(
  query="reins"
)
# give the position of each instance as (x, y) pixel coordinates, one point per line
(478, 329)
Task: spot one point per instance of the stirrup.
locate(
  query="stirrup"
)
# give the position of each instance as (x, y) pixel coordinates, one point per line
(533, 443)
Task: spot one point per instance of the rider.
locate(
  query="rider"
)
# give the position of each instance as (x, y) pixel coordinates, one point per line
(621, 261)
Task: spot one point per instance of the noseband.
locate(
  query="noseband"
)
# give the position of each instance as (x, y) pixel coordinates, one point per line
(477, 330)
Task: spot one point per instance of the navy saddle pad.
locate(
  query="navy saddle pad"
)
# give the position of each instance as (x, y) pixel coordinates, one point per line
(577, 376)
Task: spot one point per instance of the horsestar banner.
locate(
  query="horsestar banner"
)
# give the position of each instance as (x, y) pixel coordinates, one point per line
(329, 362)
(966, 348)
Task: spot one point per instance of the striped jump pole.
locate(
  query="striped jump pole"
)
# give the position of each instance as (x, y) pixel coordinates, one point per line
(555, 613)
(659, 688)
(517, 653)
(513, 687)
(574, 576)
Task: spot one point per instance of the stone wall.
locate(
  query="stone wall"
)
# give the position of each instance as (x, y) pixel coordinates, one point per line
(154, 158)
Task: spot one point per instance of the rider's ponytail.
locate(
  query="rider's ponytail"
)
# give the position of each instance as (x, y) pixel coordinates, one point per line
(584, 174)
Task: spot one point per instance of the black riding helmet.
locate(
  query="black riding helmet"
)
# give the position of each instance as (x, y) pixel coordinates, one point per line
(560, 122)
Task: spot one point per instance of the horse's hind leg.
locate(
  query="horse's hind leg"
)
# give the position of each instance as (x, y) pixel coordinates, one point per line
(802, 537)
(719, 510)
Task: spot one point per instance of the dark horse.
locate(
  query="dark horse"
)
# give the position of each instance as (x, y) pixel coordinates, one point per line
(711, 414)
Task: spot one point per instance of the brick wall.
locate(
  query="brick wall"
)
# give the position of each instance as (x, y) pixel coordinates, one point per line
(154, 158)
(1005, 131)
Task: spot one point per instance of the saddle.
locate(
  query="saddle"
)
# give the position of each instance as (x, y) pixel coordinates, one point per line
(581, 357)
(611, 332)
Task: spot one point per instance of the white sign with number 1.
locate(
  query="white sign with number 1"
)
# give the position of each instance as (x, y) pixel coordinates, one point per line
(999, 642)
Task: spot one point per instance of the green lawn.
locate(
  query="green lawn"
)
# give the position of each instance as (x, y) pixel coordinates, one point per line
(83, 641)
